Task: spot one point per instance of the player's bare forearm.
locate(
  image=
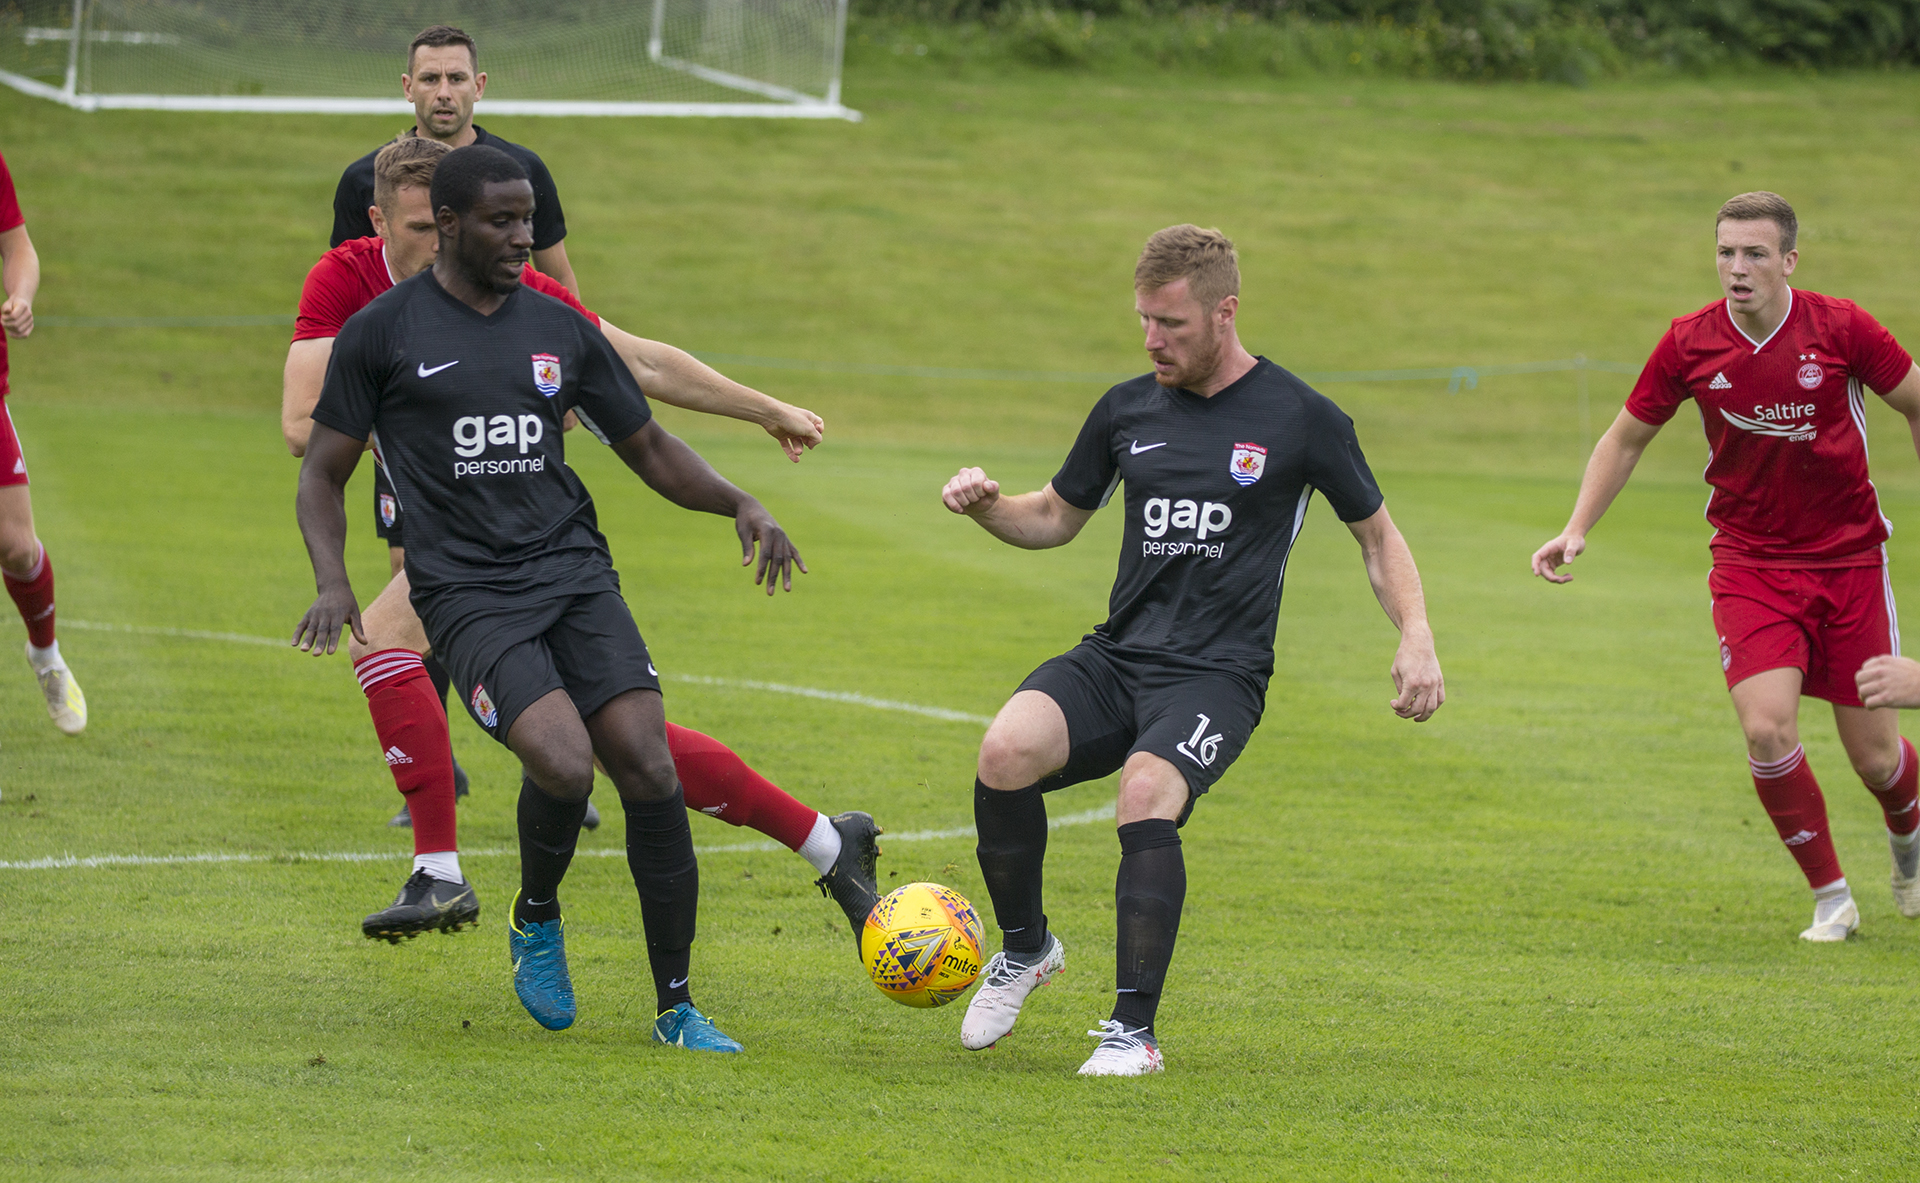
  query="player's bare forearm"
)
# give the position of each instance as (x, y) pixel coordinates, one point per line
(1905, 398)
(1612, 462)
(1032, 521)
(20, 277)
(676, 377)
(321, 508)
(681, 475)
(300, 383)
(1419, 686)
(553, 262)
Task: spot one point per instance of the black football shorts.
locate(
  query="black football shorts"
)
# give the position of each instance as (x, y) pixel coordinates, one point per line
(386, 508)
(1196, 720)
(505, 653)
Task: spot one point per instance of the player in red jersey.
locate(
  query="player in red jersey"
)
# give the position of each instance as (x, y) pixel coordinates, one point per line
(1801, 599)
(408, 709)
(24, 565)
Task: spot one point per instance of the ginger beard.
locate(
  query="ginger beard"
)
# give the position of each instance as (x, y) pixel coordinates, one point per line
(1184, 341)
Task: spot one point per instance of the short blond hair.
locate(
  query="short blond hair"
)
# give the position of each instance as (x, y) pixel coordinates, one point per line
(1204, 258)
(408, 160)
(1762, 206)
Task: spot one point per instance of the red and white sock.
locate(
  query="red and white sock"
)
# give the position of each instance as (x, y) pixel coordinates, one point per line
(1792, 798)
(717, 782)
(33, 595)
(412, 725)
(1899, 796)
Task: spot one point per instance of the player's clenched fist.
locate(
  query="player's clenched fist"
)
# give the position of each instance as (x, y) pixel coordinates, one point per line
(17, 315)
(1556, 554)
(1888, 681)
(970, 492)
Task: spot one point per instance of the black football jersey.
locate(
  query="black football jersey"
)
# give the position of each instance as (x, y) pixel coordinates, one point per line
(1216, 492)
(354, 194)
(466, 415)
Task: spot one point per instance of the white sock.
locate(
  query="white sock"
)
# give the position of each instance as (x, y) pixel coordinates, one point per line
(1828, 900)
(43, 660)
(822, 847)
(1904, 841)
(443, 865)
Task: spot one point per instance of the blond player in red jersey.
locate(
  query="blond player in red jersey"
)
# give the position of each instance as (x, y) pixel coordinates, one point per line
(1801, 599)
(24, 565)
(408, 710)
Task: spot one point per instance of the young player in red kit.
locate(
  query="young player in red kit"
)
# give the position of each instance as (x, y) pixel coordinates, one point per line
(407, 708)
(1801, 599)
(24, 565)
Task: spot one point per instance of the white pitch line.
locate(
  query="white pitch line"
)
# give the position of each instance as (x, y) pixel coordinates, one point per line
(864, 700)
(69, 861)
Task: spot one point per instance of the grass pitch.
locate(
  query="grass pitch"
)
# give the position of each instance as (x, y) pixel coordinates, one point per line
(1547, 935)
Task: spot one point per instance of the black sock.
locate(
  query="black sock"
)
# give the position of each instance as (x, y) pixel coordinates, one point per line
(437, 672)
(1147, 895)
(549, 830)
(1012, 847)
(665, 872)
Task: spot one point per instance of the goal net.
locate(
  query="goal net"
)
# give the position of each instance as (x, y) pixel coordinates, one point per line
(559, 57)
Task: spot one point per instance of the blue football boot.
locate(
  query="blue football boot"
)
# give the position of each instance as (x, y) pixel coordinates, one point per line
(540, 975)
(684, 1026)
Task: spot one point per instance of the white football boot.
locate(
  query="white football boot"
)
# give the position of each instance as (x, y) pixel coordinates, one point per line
(65, 702)
(1906, 878)
(1122, 1052)
(1003, 989)
(1833, 920)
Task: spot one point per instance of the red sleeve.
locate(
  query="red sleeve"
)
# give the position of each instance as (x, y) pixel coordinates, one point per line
(327, 300)
(559, 291)
(10, 215)
(1659, 392)
(1873, 356)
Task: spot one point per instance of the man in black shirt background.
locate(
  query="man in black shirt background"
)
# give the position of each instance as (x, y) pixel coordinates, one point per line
(443, 81)
(1220, 452)
(463, 378)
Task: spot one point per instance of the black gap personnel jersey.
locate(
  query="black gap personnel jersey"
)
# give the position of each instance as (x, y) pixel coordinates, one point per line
(465, 412)
(1217, 490)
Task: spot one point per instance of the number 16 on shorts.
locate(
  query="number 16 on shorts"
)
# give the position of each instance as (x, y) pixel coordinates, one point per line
(1200, 747)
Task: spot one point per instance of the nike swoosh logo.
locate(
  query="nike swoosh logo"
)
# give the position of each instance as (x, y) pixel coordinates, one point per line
(676, 985)
(424, 372)
(1137, 449)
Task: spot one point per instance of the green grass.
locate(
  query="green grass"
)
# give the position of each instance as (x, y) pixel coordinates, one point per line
(1547, 935)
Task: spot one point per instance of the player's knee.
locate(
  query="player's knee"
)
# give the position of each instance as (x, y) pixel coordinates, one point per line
(1771, 739)
(643, 774)
(1149, 788)
(566, 776)
(1008, 760)
(18, 552)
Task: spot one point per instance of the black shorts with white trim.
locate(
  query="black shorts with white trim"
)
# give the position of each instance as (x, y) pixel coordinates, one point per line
(1116, 704)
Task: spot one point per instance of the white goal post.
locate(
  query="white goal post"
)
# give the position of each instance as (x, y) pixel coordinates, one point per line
(778, 58)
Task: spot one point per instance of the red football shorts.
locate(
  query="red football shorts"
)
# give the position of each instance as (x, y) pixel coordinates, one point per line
(1823, 622)
(13, 466)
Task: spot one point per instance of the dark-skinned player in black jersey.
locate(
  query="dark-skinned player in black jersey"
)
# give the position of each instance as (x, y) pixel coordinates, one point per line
(463, 377)
(1220, 451)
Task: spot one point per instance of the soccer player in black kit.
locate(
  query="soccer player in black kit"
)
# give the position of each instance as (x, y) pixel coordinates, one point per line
(1220, 452)
(462, 377)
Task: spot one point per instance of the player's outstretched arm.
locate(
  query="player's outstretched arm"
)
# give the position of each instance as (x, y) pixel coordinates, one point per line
(1612, 463)
(1905, 398)
(321, 506)
(300, 384)
(20, 276)
(679, 474)
(676, 377)
(1033, 521)
(1417, 681)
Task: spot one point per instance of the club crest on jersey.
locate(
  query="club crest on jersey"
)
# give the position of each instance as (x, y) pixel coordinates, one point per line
(1811, 376)
(389, 509)
(483, 709)
(1247, 463)
(546, 374)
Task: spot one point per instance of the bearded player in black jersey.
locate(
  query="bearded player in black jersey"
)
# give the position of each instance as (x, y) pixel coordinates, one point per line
(463, 378)
(1220, 452)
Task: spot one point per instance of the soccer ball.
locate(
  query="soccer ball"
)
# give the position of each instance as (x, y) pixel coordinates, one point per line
(922, 944)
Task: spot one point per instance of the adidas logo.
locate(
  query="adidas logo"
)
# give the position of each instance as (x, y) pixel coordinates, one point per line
(396, 756)
(1719, 383)
(717, 810)
(1802, 838)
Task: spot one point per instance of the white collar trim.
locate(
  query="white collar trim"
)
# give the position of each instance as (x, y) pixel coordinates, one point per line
(1757, 345)
(392, 279)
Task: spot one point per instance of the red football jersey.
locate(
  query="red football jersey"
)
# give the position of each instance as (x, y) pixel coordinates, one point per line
(348, 277)
(10, 216)
(1786, 427)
